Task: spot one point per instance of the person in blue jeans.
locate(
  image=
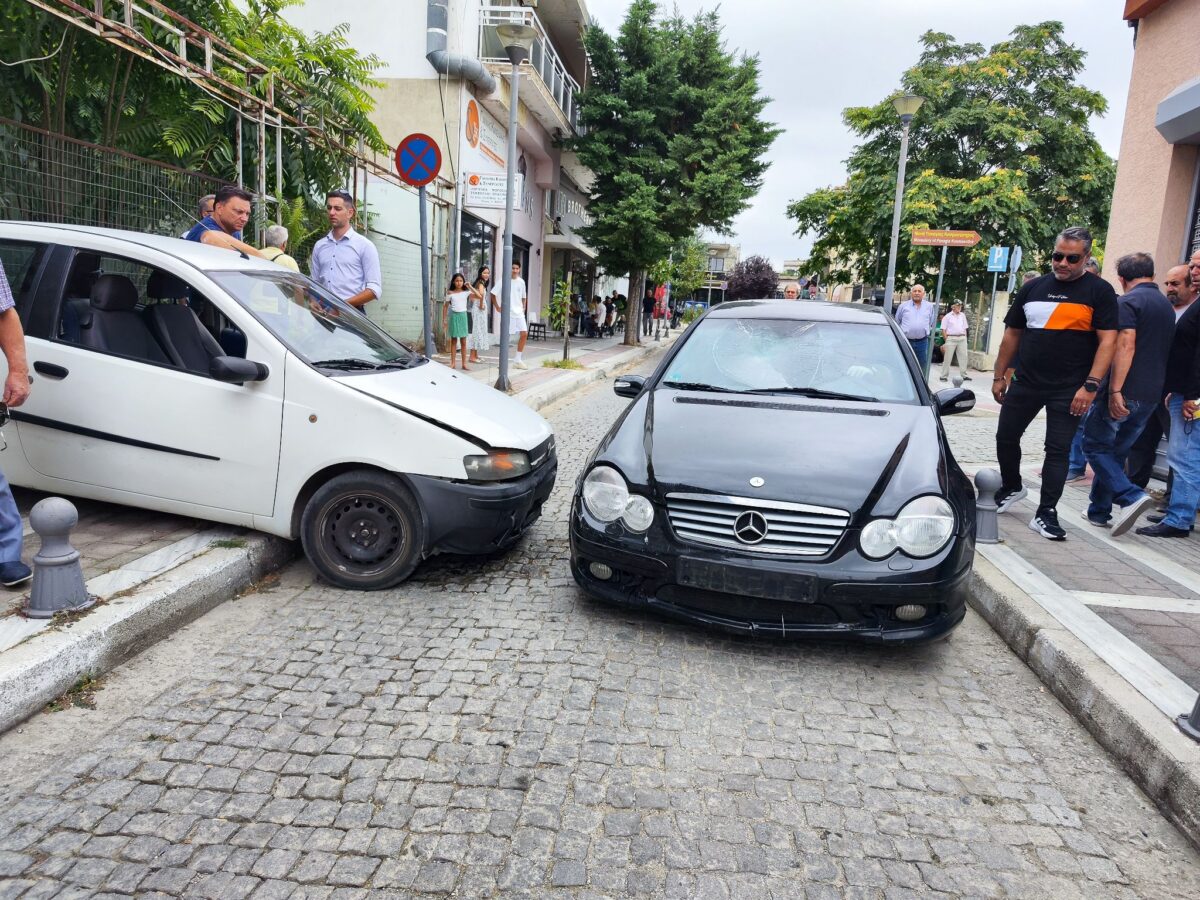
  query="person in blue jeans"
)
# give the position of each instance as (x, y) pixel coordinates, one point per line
(1077, 462)
(16, 389)
(917, 318)
(1129, 394)
(1182, 387)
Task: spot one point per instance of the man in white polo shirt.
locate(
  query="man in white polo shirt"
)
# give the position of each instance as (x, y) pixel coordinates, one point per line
(344, 262)
(518, 321)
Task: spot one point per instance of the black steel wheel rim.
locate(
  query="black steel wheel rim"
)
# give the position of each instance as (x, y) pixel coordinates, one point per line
(363, 532)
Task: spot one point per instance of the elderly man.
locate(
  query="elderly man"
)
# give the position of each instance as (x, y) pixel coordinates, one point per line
(1131, 394)
(1061, 331)
(344, 262)
(276, 240)
(791, 291)
(223, 227)
(915, 317)
(954, 328)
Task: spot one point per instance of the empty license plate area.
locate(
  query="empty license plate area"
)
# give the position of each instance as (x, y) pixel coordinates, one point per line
(756, 582)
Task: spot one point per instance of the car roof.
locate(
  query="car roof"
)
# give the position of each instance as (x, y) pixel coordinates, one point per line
(803, 310)
(201, 256)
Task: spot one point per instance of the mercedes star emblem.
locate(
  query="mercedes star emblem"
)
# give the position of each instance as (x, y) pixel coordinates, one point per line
(757, 482)
(751, 527)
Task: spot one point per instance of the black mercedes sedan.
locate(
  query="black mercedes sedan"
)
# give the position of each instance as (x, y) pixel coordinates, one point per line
(784, 472)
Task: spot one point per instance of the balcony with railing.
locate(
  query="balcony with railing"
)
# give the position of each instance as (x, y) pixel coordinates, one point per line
(553, 99)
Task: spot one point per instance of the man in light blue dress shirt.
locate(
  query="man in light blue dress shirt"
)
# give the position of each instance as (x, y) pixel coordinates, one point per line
(916, 318)
(344, 262)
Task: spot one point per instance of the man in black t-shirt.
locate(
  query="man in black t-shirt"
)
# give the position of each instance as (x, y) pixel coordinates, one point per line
(1130, 396)
(1062, 331)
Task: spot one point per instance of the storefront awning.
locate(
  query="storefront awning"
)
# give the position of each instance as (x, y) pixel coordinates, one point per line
(569, 242)
(1178, 118)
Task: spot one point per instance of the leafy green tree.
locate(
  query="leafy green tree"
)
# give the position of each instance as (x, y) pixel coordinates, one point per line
(86, 88)
(1002, 146)
(686, 268)
(675, 138)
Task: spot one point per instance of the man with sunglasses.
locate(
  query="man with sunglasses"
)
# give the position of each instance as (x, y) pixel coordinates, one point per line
(344, 262)
(1061, 331)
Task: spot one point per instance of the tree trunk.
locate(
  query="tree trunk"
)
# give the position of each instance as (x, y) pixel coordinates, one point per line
(633, 310)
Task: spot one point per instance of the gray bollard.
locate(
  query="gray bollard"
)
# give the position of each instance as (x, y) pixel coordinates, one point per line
(956, 380)
(57, 575)
(1189, 724)
(987, 520)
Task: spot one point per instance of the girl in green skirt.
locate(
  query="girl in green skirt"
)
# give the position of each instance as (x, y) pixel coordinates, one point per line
(456, 310)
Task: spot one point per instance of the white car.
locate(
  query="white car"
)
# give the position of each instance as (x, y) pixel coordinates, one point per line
(189, 379)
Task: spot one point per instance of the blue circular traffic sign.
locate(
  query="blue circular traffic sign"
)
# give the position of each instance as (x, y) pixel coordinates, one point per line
(418, 160)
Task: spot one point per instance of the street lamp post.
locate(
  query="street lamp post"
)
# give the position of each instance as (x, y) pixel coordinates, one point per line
(518, 41)
(907, 107)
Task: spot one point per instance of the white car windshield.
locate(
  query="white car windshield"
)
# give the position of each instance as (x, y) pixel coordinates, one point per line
(319, 328)
(786, 356)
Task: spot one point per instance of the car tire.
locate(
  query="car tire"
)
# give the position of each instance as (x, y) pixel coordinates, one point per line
(363, 530)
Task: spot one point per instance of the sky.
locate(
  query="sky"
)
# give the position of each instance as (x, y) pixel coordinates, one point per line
(820, 56)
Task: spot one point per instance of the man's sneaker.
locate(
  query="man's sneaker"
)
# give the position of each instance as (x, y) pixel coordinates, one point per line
(966, 378)
(1155, 518)
(1045, 523)
(1162, 529)
(1099, 523)
(1076, 476)
(943, 378)
(1006, 497)
(1128, 515)
(520, 364)
(14, 573)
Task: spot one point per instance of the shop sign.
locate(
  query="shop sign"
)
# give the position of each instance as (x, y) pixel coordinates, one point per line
(486, 190)
(485, 136)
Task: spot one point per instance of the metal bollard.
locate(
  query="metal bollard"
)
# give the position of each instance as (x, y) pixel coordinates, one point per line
(987, 520)
(956, 380)
(57, 574)
(1189, 723)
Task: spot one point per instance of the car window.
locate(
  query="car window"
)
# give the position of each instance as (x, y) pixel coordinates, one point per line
(87, 316)
(21, 260)
(311, 322)
(793, 355)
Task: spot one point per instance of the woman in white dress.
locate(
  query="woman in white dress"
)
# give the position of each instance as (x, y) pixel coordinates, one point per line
(480, 339)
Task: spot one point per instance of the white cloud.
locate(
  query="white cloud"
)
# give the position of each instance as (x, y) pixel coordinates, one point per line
(820, 57)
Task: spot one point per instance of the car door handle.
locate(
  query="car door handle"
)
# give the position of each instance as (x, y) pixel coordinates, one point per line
(50, 370)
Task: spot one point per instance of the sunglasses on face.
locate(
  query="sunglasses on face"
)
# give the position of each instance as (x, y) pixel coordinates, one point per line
(1072, 258)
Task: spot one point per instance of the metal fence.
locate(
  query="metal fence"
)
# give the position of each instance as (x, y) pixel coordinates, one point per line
(47, 177)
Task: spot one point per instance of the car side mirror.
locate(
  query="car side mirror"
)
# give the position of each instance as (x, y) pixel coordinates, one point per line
(629, 385)
(952, 401)
(234, 370)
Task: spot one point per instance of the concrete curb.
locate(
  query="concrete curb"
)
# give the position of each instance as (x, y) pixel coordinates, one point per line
(1163, 762)
(49, 664)
(542, 396)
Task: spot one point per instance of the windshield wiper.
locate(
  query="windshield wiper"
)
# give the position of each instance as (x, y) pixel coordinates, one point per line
(350, 364)
(814, 392)
(402, 363)
(698, 386)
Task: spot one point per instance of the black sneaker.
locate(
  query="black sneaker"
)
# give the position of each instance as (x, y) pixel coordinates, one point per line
(1162, 529)
(1155, 518)
(1045, 523)
(1006, 497)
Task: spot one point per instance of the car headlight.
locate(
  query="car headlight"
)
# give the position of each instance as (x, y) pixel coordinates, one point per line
(639, 513)
(499, 465)
(605, 493)
(922, 528)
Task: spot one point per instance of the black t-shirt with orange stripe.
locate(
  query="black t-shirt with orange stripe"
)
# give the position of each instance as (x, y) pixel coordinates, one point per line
(1060, 320)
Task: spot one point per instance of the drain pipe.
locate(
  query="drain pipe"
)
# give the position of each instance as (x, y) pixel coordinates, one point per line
(452, 64)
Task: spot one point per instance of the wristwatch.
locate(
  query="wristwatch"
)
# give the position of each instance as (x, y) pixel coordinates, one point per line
(1091, 387)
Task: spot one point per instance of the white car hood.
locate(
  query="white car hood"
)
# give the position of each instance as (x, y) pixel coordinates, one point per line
(458, 402)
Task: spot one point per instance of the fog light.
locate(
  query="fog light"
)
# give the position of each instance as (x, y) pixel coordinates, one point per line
(602, 572)
(910, 612)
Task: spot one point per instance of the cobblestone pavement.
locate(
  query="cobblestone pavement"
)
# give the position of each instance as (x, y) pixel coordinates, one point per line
(485, 729)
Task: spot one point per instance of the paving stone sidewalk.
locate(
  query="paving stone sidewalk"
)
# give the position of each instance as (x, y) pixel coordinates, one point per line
(1117, 578)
